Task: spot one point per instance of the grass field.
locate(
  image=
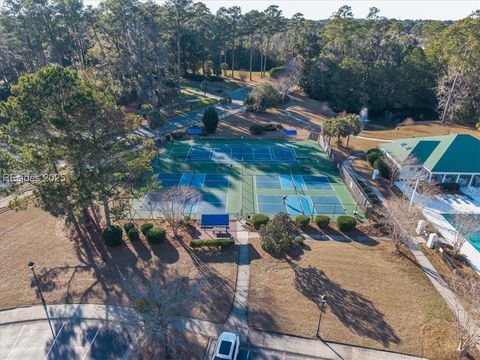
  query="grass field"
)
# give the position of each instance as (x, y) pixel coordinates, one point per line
(242, 190)
(375, 299)
(72, 270)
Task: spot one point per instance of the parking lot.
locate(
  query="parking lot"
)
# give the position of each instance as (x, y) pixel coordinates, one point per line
(63, 340)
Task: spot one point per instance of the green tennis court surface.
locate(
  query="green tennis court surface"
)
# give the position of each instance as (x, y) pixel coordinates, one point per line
(243, 177)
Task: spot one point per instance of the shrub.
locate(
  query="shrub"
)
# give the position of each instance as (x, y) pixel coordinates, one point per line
(142, 306)
(155, 119)
(113, 235)
(133, 234)
(382, 168)
(298, 240)
(211, 243)
(145, 227)
(156, 235)
(259, 220)
(322, 221)
(278, 234)
(263, 97)
(373, 156)
(186, 221)
(453, 187)
(277, 71)
(346, 223)
(128, 226)
(270, 127)
(210, 120)
(302, 220)
(373, 150)
(146, 108)
(178, 134)
(257, 129)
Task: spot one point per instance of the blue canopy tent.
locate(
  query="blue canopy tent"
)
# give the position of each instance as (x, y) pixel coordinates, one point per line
(194, 131)
(215, 220)
(288, 132)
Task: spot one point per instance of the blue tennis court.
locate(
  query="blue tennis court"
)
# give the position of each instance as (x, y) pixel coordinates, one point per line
(195, 180)
(242, 153)
(299, 204)
(293, 182)
(211, 202)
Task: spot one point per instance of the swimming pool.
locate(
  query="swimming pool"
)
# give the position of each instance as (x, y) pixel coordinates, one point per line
(474, 239)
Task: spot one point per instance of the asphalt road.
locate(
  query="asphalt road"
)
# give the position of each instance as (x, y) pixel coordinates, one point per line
(266, 354)
(254, 353)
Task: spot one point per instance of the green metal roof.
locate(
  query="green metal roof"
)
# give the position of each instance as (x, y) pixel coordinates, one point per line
(459, 153)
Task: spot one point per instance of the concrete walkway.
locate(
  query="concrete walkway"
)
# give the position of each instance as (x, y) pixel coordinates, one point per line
(238, 317)
(373, 139)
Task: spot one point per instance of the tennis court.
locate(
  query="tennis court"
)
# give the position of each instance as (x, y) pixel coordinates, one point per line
(293, 182)
(300, 204)
(225, 153)
(212, 202)
(243, 177)
(194, 180)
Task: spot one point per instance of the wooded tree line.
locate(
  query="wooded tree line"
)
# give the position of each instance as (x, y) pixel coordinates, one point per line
(380, 64)
(138, 51)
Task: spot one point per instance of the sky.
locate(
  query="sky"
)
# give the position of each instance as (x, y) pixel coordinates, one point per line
(322, 9)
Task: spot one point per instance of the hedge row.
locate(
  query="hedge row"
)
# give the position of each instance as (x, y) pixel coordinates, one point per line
(113, 235)
(211, 243)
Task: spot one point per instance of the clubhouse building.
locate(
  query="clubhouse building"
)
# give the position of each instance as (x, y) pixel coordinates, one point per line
(443, 159)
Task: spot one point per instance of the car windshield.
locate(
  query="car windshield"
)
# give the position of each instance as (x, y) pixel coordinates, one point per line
(225, 347)
(218, 358)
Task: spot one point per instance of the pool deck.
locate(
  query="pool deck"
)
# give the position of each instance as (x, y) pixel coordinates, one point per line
(448, 232)
(435, 206)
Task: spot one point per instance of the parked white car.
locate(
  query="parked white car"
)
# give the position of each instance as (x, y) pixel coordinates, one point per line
(227, 348)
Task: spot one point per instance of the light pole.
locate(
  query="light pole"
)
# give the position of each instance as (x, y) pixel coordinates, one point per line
(323, 303)
(413, 193)
(31, 266)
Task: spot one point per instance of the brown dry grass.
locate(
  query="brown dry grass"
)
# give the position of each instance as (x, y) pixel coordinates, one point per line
(75, 271)
(300, 107)
(420, 129)
(376, 299)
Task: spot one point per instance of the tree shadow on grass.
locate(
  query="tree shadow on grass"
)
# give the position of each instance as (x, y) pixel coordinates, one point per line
(354, 310)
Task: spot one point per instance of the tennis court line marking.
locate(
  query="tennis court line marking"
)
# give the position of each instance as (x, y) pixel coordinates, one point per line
(226, 199)
(91, 342)
(188, 154)
(15, 343)
(294, 153)
(54, 341)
